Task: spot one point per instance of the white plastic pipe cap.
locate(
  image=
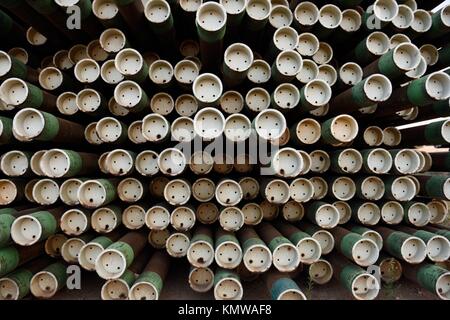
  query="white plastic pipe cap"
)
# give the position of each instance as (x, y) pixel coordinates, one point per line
(345, 211)
(228, 255)
(309, 71)
(301, 190)
(113, 40)
(351, 20)
(378, 43)
(54, 244)
(130, 190)
(177, 245)
(186, 71)
(372, 188)
(320, 271)
(404, 17)
(365, 287)
(327, 216)
(343, 188)
(270, 124)
(327, 73)
(44, 285)
(418, 214)
(350, 73)
(46, 192)
(438, 211)
(385, 10)
(162, 103)
(289, 63)
(26, 230)
(280, 16)
(277, 191)
(201, 162)
(155, 127)
(285, 38)
(350, 161)
(62, 61)
(50, 78)
(116, 289)
(186, 105)
(109, 73)
(286, 96)
(128, 94)
(211, 16)
(228, 193)
(293, 211)
(369, 213)
(422, 21)
(201, 279)
(250, 187)
(324, 54)
(320, 161)
(105, 9)
(237, 128)
(70, 250)
(87, 71)
(286, 257)
(135, 132)
(104, 220)
(209, 123)
(157, 218)
(306, 13)
(414, 250)
(391, 136)
(203, 189)
(344, 128)
(231, 102)
(95, 51)
(177, 192)
(207, 213)
(287, 163)
(207, 88)
(182, 218)
(120, 162)
(253, 214)
(238, 57)
(74, 222)
(190, 48)
(228, 289)
(257, 99)
(14, 163)
(14, 91)
(66, 103)
(258, 10)
(172, 161)
(259, 71)
(330, 16)
(438, 87)
(9, 191)
(161, 72)
(182, 129)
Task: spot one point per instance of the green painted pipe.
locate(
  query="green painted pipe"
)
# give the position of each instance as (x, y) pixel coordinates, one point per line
(27, 96)
(6, 131)
(14, 68)
(363, 54)
(213, 35)
(56, 276)
(17, 283)
(203, 239)
(15, 256)
(112, 289)
(402, 245)
(434, 186)
(285, 255)
(429, 276)
(430, 134)
(228, 252)
(125, 250)
(412, 219)
(361, 284)
(440, 24)
(333, 133)
(40, 225)
(49, 128)
(285, 288)
(442, 232)
(393, 64)
(224, 280)
(92, 249)
(149, 284)
(124, 86)
(251, 241)
(91, 200)
(374, 89)
(355, 247)
(420, 92)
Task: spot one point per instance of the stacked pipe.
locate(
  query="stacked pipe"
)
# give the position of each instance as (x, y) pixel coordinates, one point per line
(254, 138)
